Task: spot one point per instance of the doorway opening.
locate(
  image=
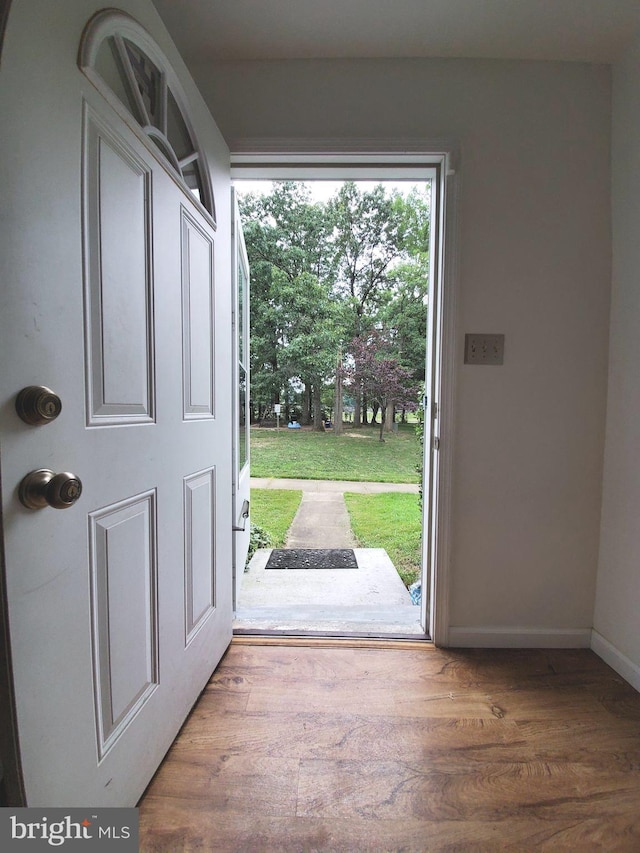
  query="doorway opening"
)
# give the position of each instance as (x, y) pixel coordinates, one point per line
(344, 260)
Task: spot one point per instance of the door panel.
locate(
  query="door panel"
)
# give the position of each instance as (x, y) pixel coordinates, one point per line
(124, 612)
(199, 515)
(117, 204)
(120, 606)
(198, 319)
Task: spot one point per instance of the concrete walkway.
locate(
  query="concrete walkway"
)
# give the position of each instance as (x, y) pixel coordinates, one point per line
(369, 601)
(332, 485)
(322, 521)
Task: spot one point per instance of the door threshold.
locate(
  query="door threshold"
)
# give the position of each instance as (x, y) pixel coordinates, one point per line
(327, 640)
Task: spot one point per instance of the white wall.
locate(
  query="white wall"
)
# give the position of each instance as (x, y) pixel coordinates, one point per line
(534, 264)
(617, 611)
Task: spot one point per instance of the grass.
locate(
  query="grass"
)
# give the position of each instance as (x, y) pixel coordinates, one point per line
(392, 521)
(355, 455)
(273, 510)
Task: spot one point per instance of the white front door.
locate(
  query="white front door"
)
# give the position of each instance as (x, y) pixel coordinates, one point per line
(115, 296)
(241, 443)
(432, 404)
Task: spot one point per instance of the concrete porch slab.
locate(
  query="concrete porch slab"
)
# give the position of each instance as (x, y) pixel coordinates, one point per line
(369, 600)
(374, 583)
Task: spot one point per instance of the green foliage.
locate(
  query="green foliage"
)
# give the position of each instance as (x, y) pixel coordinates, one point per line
(405, 312)
(368, 237)
(355, 455)
(393, 521)
(293, 318)
(258, 538)
(308, 327)
(405, 316)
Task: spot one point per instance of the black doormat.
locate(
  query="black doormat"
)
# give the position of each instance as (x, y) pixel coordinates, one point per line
(312, 558)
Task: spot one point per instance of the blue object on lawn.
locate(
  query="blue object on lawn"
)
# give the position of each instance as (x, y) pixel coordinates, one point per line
(293, 425)
(415, 591)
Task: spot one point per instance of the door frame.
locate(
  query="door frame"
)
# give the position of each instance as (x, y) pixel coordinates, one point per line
(334, 159)
(11, 785)
(5, 6)
(12, 791)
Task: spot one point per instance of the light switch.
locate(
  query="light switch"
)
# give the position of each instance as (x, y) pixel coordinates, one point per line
(483, 349)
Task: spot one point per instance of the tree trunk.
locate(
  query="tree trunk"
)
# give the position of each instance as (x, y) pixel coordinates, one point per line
(389, 417)
(375, 408)
(382, 420)
(364, 412)
(337, 413)
(317, 408)
(305, 409)
(357, 412)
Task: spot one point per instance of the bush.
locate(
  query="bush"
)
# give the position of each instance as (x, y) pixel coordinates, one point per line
(258, 538)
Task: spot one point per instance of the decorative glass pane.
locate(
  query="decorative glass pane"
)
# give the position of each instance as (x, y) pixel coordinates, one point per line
(241, 307)
(145, 84)
(149, 81)
(242, 418)
(193, 180)
(109, 68)
(177, 132)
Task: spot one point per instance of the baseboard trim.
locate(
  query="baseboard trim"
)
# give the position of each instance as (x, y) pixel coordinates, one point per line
(623, 665)
(520, 638)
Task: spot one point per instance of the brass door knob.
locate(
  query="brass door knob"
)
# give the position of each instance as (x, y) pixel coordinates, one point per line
(45, 488)
(38, 405)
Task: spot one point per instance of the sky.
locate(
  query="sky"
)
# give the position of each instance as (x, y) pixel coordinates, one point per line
(323, 190)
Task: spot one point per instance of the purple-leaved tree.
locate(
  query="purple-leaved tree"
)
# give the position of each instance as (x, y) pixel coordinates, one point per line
(380, 376)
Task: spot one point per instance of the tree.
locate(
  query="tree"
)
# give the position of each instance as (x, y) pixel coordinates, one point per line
(405, 310)
(368, 233)
(309, 336)
(405, 319)
(404, 315)
(324, 274)
(380, 375)
(267, 375)
(286, 236)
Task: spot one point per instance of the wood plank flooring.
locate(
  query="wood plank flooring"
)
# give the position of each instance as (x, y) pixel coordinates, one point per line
(374, 750)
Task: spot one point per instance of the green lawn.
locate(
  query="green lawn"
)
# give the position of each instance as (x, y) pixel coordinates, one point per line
(273, 510)
(355, 455)
(392, 521)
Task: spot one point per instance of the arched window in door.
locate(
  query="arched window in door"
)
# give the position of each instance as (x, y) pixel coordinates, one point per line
(120, 58)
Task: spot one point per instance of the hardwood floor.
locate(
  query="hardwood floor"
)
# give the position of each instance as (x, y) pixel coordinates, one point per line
(314, 748)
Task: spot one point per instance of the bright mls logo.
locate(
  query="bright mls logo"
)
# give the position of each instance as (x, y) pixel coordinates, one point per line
(55, 832)
(73, 829)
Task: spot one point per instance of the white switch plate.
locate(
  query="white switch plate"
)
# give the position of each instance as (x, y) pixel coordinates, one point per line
(483, 349)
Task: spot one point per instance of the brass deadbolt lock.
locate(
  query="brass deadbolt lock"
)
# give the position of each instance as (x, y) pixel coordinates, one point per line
(43, 488)
(38, 405)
